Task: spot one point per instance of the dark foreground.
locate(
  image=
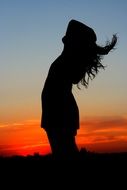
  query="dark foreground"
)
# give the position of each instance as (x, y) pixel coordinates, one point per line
(85, 160)
(90, 169)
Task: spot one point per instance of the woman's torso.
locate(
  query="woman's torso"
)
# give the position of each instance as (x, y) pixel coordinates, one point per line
(59, 108)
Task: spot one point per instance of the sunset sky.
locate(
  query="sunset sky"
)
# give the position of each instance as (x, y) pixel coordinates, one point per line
(30, 40)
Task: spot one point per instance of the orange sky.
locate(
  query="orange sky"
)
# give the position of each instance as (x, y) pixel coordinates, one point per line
(98, 134)
(30, 40)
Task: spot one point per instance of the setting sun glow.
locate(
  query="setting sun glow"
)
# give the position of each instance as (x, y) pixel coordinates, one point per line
(31, 35)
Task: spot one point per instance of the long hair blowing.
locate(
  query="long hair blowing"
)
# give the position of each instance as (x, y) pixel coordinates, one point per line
(95, 64)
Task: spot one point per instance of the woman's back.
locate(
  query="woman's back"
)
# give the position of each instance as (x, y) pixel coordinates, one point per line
(59, 108)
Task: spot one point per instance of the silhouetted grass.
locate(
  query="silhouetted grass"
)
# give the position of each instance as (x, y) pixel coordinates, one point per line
(83, 158)
(44, 169)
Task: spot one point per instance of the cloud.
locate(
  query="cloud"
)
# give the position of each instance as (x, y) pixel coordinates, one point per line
(19, 125)
(34, 145)
(104, 124)
(103, 130)
(4, 126)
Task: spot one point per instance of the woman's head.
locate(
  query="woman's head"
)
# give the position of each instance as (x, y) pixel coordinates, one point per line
(80, 46)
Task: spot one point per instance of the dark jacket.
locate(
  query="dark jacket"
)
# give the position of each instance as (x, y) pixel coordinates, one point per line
(59, 108)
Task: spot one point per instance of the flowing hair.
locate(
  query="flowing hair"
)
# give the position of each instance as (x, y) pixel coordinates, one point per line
(95, 64)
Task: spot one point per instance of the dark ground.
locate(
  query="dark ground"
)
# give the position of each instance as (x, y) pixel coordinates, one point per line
(88, 170)
(84, 159)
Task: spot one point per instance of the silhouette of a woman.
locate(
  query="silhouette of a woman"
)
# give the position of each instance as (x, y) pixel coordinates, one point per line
(79, 61)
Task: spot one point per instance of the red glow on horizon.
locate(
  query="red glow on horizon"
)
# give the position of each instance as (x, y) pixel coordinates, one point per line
(95, 134)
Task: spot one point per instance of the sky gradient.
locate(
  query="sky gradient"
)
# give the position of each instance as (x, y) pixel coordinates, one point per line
(30, 40)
